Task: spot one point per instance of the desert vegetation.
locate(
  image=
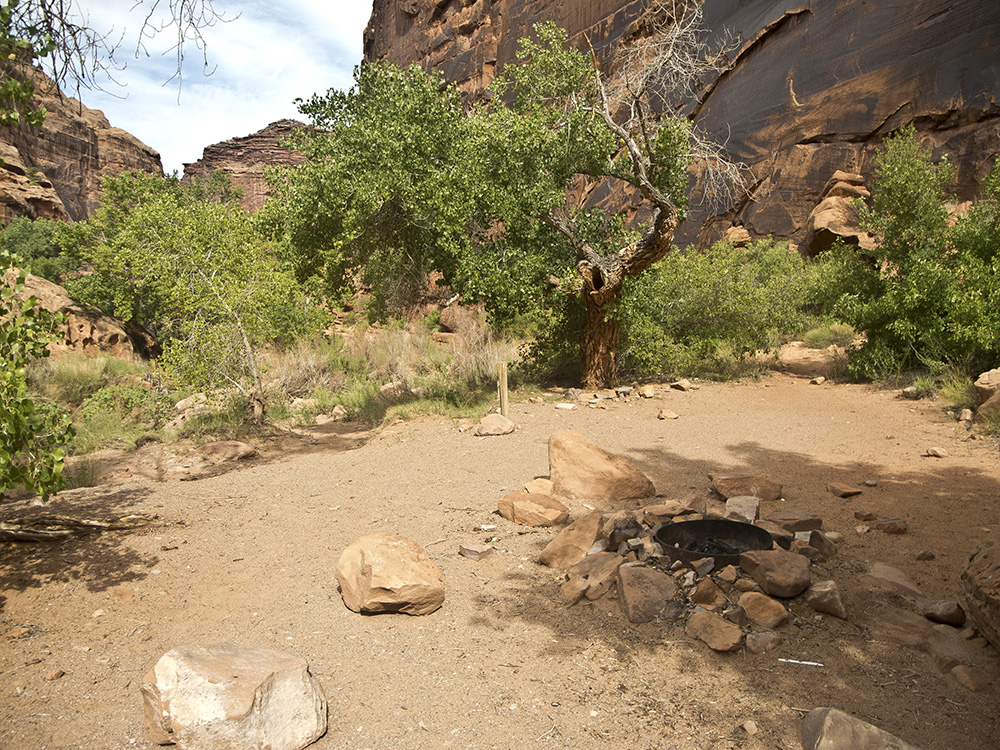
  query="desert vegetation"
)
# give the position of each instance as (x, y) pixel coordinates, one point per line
(318, 301)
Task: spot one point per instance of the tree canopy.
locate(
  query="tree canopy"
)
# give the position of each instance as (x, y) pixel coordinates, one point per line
(399, 181)
(191, 265)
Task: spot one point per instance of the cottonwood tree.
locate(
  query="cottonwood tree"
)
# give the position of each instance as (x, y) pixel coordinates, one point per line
(400, 182)
(629, 130)
(196, 272)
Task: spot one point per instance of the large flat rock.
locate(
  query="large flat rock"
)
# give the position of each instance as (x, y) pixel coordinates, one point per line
(223, 696)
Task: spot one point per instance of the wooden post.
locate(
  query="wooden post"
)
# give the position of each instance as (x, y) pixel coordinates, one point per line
(502, 386)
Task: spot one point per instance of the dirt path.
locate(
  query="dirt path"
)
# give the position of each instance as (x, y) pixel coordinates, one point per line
(249, 558)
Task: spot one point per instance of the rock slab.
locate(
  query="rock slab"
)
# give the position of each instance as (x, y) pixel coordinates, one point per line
(532, 509)
(830, 729)
(223, 696)
(581, 470)
(779, 572)
(572, 543)
(385, 572)
(644, 592)
(744, 485)
(716, 631)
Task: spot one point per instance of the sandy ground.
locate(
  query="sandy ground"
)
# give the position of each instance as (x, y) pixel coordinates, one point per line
(248, 557)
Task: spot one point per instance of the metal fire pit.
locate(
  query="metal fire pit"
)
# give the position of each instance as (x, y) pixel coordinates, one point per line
(688, 541)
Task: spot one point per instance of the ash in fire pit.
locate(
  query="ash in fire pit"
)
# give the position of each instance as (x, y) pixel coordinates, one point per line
(688, 541)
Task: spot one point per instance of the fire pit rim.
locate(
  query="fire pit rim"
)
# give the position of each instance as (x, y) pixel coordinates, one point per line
(751, 537)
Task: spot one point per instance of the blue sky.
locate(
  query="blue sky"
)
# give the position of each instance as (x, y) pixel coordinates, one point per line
(270, 53)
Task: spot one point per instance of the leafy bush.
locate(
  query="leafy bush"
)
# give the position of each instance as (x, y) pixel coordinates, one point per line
(32, 435)
(707, 312)
(36, 243)
(929, 295)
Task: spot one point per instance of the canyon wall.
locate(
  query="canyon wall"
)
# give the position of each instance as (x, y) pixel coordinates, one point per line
(815, 85)
(244, 159)
(54, 172)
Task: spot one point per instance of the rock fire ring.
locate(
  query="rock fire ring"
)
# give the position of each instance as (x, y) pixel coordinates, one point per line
(724, 540)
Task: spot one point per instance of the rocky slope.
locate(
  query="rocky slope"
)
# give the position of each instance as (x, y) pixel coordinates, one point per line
(814, 87)
(54, 172)
(245, 158)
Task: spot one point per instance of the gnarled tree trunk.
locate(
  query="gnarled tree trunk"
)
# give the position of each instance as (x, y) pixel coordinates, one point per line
(599, 343)
(602, 284)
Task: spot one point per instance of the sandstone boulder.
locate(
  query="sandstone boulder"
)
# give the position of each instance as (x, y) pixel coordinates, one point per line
(644, 592)
(835, 216)
(532, 509)
(982, 587)
(208, 697)
(830, 729)
(779, 572)
(493, 425)
(716, 631)
(385, 572)
(457, 317)
(228, 450)
(581, 470)
(86, 328)
(944, 612)
(753, 485)
(824, 596)
(708, 594)
(592, 577)
(796, 520)
(990, 408)
(988, 385)
(892, 579)
(745, 508)
(572, 543)
(763, 610)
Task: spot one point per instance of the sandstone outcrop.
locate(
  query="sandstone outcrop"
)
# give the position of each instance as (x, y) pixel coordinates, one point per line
(54, 172)
(244, 160)
(813, 88)
(86, 328)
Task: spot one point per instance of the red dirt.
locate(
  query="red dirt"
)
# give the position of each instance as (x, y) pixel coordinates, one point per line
(248, 557)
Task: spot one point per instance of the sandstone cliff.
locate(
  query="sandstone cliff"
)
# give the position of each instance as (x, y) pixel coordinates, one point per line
(54, 172)
(815, 86)
(245, 158)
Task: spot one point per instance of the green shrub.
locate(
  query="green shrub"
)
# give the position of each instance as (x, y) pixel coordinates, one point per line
(959, 390)
(839, 334)
(929, 295)
(83, 472)
(37, 245)
(711, 312)
(72, 378)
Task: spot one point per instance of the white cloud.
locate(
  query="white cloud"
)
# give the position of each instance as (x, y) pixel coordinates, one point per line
(263, 60)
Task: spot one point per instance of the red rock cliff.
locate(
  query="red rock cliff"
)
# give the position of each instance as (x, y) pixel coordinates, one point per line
(245, 158)
(815, 87)
(54, 172)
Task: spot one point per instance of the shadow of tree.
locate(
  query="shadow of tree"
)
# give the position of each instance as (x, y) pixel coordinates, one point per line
(958, 505)
(96, 559)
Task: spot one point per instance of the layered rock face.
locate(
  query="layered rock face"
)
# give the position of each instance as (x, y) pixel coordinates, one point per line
(244, 159)
(815, 86)
(54, 172)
